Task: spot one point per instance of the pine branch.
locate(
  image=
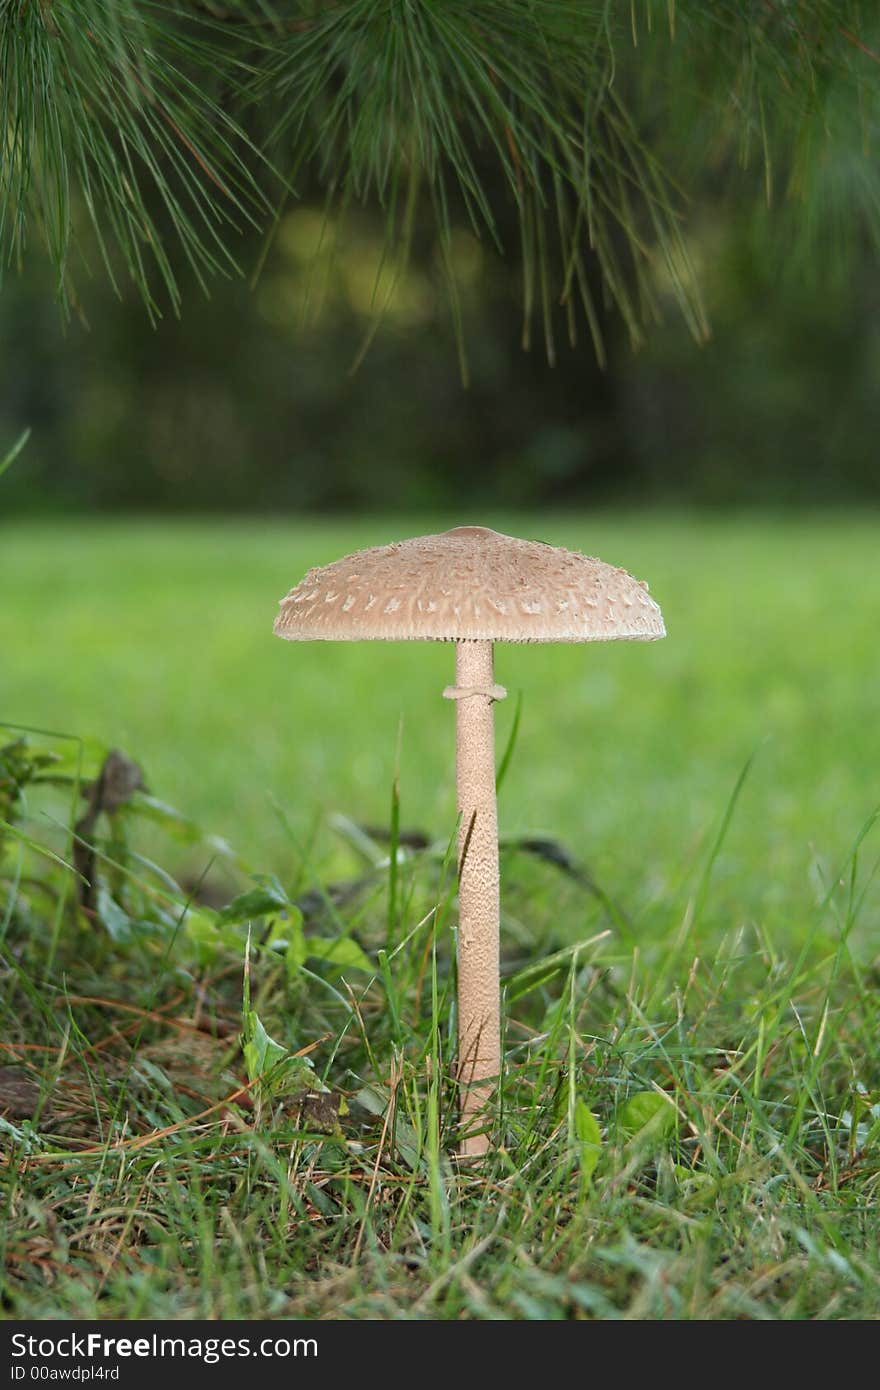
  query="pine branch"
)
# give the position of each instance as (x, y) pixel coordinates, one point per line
(781, 100)
(116, 108)
(582, 118)
(470, 98)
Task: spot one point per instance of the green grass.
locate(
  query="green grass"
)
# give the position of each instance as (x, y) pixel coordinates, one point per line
(157, 638)
(724, 971)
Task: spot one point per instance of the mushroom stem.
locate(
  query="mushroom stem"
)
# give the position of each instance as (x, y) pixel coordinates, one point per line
(479, 1027)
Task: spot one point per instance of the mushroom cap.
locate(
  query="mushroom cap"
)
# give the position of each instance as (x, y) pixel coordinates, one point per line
(469, 584)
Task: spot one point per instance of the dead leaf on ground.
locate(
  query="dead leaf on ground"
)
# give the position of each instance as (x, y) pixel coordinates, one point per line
(319, 1110)
(19, 1094)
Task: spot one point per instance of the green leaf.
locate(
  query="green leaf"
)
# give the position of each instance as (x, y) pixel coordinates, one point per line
(287, 935)
(267, 900)
(341, 951)
(24, 1135)
(589, 1135)
(275, 1069)
(261, 1053)
(204, 930)
(117, 921)
(647, 1116)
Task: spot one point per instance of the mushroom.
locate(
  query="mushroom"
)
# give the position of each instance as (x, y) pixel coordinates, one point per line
(473, 587)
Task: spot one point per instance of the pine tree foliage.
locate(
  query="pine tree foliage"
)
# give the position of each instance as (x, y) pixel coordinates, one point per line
(115, 108)
(786, 93)
(464, 99)
(590, 120)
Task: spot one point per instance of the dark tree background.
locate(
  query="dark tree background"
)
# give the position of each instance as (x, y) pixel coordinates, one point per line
(331, 373)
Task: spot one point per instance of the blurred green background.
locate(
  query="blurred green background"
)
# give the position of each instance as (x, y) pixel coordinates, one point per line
(295, 397)
(155, 636)
(179, 478)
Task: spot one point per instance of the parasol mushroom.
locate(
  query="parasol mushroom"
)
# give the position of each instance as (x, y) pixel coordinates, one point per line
(473, 587)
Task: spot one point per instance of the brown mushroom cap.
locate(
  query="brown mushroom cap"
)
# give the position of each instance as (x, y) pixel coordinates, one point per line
(469, 584)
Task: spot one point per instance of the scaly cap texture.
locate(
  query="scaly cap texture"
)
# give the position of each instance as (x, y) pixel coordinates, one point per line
(469, 584)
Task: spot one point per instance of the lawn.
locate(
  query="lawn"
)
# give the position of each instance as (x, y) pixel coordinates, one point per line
(156, 638)
(716, 940)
